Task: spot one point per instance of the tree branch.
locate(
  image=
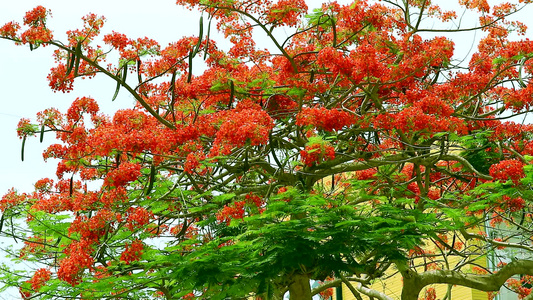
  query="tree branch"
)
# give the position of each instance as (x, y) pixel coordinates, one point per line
(416, 282)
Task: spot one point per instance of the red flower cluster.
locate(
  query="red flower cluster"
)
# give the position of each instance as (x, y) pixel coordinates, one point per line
(241, 127)
(255, 199)
(36, 35)
(131, 50)
(324, 119)
(287, 11)
(78, 259)
(58, 79)
(40, 278)
(230, 212)
(336, 61)
(37, 281)
(25, 128)
(125, 173)
(519, 286)
(132, 252)
(36, 16)
(44, 185)
(92, 25)
(138, 217)
(366, 174)
(280, 106)
(513, 204)
(413, 119)
(192, 162)
(430, 294)
(510, 169)
(81, 106)
(9, 30)
(317, 153)
(11, 199)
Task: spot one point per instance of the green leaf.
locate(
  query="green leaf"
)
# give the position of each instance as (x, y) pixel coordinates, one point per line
(498, 60)
(223, 198)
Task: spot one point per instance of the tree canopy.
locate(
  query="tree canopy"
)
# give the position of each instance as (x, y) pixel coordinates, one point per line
(348, 145)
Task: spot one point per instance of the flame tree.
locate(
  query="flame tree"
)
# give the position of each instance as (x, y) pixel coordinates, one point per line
(343, 153)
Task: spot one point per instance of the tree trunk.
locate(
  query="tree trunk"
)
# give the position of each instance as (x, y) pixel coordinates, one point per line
(300, 288)
(411, 281)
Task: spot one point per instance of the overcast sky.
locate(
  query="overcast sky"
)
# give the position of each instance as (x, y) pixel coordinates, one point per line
(24, 89)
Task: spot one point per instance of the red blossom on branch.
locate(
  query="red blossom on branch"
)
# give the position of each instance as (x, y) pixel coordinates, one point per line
(9, 30)
(510, 169)
(324, 119)
(40, 278)
(125, 173)
(132, 252)
(316, 153)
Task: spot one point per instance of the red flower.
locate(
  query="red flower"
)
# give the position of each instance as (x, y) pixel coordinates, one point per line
(508, 169)
(79, 258)
(36, 16)
(40, 278)
(366, 174)
(125, 173)
(232, 211)
(25, 128)
(287, 11)
(192, 162)
(11, 199)
(132, 252)
(9, 30)
(36, 35)
(324, 119)
(317, 153)
(138, 217)
(245, 126)
(514, 204)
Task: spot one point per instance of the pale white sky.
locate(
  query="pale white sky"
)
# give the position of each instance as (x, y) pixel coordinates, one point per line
(23, 86)
(24, 89)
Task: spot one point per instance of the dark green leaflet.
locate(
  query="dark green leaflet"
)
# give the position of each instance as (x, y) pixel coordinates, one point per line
(77, 59)
(152, 179)
(71, 188)
(231, 93)
(189, 76)
(197, 47)
(41, 137)
(124, 75)
(22, 150)
(70, 61)
(207, 38)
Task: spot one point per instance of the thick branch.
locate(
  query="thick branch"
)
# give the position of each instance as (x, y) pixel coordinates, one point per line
(362, 165)
(414, 282)
(466, 164)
